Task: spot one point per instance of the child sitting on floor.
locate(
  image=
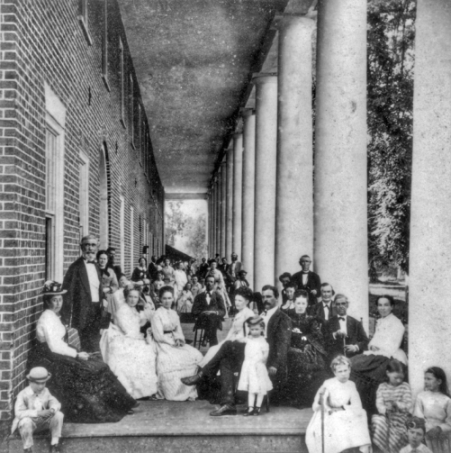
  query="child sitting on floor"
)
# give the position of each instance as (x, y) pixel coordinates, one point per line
(254, 376)
(434, 405)
(415, 435)
(36, 410)
(345, 421)
(394, 403)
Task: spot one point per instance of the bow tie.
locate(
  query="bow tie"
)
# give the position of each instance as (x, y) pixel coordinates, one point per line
(341, 318)
(90, 262)
(326, 306)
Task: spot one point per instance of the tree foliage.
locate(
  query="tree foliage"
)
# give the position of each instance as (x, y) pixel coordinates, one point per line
(174, 222)
(391, 32)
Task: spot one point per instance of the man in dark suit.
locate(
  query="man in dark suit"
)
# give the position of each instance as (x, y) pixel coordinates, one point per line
(325, 308)
(153, 267)
(209, 311)
(203, 269)
(307, 280)
(233, 269)
(230, 356)
(344, 334)
(83, 308)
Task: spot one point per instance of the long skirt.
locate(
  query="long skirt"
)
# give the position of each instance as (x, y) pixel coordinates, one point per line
(342, 430)
(389, 431)
(306, 373)
(173, 364)
(368, 371)
(87, 390)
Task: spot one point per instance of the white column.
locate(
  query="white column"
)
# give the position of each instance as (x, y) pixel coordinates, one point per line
(217, 212)
(223, 208)
(341, 244)
(213, 226)
(265, 180)
(237, 190)
(294, 202)
(229, 214)
(219, 229)
(430, 225)
(248, 200)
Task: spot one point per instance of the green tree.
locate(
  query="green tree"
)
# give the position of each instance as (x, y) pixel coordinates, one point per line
(391, 33)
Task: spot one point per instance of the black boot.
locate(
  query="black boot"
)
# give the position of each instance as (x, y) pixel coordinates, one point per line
(250, 411)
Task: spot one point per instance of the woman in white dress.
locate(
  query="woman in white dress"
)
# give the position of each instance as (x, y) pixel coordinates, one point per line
(239, 328)
(219, 284)
(180, 280)
(185, 300)
(130, 356)
(345, 423)
(368, 369)
(175, 359)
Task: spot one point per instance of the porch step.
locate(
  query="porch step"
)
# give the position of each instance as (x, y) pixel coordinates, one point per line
(172, 427)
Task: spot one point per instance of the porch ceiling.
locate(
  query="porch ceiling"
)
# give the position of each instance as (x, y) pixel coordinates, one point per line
(194, 60)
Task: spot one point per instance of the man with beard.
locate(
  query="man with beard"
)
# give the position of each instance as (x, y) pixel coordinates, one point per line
(230, 356)
(82, 307)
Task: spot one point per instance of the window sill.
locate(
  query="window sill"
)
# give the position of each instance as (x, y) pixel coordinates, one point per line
(85, 30)
(105, 81)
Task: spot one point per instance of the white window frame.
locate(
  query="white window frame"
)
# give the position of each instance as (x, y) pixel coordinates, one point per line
(122, 231)
(55, 120)
(84, 194)
(132, 237)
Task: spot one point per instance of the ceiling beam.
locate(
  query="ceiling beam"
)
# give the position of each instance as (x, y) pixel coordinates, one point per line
(185, 196)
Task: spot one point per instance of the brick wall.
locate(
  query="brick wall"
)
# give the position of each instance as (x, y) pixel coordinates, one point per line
(43, 42)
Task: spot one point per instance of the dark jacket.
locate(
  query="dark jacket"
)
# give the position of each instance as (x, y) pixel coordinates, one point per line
(77, 300)
(216, 303)
(317, 310)
(313, 283)
(278, 338)
(356, 336)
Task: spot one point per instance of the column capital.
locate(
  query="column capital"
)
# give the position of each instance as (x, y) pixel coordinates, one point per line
(260, 78)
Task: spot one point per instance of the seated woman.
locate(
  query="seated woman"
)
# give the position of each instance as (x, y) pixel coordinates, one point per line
(175, 359)
(307, 354)
(180, 280)
(155, 287)
(369, 368)
(109, 281)
(130, 357)
(288, 298)
(343, 424)
(239, 329)
(87, 389)
(140, 273)
(434, 405)
(186, 299)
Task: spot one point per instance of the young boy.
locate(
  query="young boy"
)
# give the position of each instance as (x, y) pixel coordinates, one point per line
(416, 428)
(36, 410)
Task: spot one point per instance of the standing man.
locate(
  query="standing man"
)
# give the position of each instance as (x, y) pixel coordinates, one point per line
(345, 335)
(203, 269)
(153, 268)
(307, 280)
(82, 307)
(209, 311)
(325, 308)
(234, 268)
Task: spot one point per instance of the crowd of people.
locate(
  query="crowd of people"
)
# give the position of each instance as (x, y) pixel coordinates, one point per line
(298, 347)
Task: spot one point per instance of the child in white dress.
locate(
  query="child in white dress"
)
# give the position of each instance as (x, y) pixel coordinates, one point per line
(345, 421)
(254, 377)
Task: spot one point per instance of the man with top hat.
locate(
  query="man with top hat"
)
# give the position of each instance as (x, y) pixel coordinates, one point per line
(37, 410)
(83, 308)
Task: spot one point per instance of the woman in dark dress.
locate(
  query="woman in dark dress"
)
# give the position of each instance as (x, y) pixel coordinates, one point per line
(87, 389)
(140, 273)
(307, 354)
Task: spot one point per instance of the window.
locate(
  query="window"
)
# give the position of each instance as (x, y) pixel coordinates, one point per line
(83, 19)
(132, 112)
(105, 46)
(122, 231)
(122, 81)
(83, 200)
(132, 237)
(54, 182)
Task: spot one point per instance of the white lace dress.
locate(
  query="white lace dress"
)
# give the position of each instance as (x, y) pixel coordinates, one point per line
(173, 363)
(131, 357)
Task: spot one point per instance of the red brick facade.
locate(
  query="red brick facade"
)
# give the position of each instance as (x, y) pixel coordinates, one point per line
(44, 43)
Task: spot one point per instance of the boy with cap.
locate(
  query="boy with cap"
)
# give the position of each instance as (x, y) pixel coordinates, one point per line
(416, 428)
(36, 410)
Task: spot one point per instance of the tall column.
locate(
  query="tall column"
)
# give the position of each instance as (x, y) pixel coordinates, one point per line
(341, 244)
(265, 180)
(294, 199)
(209, 223)
(217, 214)
(229, 214)
(219, 211)
(237, 190)
(213, 218)
(223, 207)
(430, 224)
(248, 200)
